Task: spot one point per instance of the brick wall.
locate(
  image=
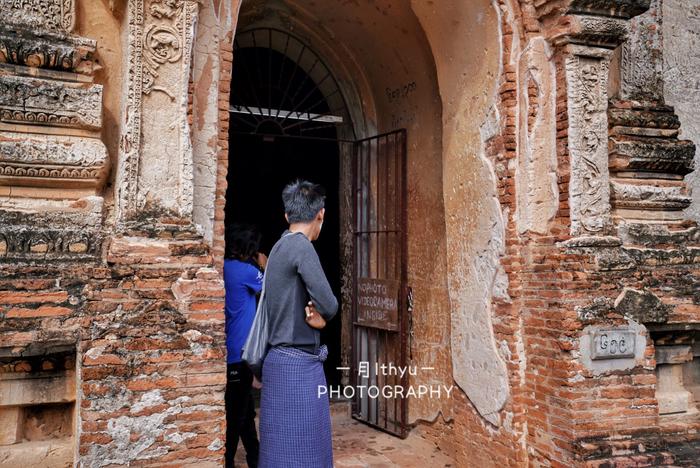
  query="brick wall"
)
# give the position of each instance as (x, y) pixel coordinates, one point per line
(147, 326)
(560, 413)
(146, 323)
(226, 55)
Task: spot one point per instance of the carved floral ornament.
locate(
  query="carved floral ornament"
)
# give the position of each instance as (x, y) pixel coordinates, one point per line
(163, 40)
(49, 102)
(54, 15)
(590, 141)
(589, 186)
(26, 242)
(163, 44)
(19, 171)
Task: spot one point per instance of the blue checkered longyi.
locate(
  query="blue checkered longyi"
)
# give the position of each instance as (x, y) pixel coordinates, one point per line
(295, 423)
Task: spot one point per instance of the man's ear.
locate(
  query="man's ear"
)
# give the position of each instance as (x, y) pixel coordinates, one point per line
(286, 217)
(321, 214)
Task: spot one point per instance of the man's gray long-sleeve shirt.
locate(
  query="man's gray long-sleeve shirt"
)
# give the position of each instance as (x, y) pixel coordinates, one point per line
(294, 277)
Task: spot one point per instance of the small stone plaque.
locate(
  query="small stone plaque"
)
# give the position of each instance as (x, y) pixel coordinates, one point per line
(613, 343)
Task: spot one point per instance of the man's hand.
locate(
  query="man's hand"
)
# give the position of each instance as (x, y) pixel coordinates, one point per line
(313, 317)
(262, 260)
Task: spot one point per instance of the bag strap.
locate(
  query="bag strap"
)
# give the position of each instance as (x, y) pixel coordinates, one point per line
(262, 291)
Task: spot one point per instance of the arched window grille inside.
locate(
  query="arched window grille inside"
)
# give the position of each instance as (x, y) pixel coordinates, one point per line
(280, 86)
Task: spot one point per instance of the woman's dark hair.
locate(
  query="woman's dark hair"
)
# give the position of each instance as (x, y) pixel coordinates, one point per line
(242, 242)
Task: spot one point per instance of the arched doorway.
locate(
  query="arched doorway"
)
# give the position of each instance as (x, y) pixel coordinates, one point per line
(289, 120)
(398, 69)
(285, 111)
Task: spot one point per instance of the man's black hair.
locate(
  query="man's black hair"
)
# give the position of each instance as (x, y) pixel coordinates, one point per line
(242, 242)
(303, 200)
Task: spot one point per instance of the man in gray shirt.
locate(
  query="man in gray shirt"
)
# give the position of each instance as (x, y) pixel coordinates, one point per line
(297, 290)
(295, 423)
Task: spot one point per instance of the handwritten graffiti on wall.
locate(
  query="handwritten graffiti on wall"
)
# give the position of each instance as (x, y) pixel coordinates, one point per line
(401, 92)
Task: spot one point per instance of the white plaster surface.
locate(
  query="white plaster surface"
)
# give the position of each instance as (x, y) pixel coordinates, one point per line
(536, 178)
(205, 125)
(474, 223)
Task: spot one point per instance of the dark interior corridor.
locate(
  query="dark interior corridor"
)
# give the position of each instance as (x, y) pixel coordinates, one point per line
(259, 168)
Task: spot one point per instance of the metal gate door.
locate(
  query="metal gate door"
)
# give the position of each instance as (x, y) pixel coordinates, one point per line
(380, 300)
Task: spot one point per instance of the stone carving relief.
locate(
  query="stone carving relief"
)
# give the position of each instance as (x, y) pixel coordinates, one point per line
(647, 157)
(51, 161)
(48, 50)
(54, 15)
(48, 102)
(586, 73)
(150, 177)
(46, 233)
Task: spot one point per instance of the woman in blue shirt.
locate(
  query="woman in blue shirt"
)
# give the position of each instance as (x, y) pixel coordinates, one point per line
(243, 275)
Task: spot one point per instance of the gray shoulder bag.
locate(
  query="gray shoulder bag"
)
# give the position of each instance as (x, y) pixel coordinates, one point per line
(256, 345)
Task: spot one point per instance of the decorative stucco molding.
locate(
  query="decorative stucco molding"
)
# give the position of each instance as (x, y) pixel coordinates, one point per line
(53, 15)
(44, 49)
(627, 162)
(647, 159)
(585, 33)
(624, 9)
(155, 160)
(50, 102)
(45, 233)
(51, 160)
(589, 189)
(38, 34)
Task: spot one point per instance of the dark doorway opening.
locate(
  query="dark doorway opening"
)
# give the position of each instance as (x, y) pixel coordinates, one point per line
(285, 109)
(259, 168)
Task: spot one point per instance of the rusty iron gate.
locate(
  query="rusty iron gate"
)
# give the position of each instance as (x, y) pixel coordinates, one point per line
(381, 295)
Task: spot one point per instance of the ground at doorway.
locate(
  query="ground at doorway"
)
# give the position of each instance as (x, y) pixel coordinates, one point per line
(358, 445)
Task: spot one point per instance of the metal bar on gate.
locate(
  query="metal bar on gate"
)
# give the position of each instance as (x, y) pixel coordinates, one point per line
(378, 231)
(404, 273)
(353, 329)
(397, 213)
(378, 136)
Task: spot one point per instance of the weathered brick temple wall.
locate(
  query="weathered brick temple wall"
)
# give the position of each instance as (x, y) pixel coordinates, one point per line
(553, 250)
(591, 180)
(118, 283)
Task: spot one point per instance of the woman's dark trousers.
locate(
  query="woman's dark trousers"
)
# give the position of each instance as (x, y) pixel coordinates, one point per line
(240, 414)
